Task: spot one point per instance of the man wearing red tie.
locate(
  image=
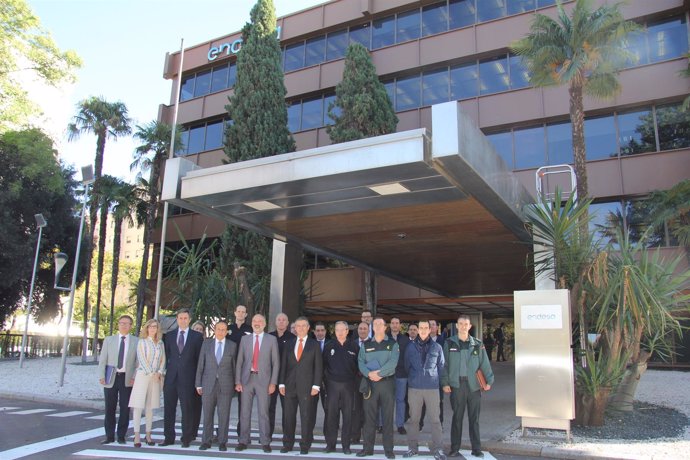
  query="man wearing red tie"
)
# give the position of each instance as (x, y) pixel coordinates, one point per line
(301, 376)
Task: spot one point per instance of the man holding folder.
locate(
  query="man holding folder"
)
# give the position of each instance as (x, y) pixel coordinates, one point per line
(377, 360)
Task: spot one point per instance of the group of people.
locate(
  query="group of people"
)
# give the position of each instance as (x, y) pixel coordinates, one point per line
(496, 338)
(372, 379)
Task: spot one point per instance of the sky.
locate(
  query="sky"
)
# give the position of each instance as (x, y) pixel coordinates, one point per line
(122, 44)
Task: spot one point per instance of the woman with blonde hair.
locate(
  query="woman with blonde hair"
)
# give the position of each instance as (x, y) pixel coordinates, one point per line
(146, 392)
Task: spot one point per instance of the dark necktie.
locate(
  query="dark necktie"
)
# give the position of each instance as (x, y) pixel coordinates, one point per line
(121, 353)
(180, 341)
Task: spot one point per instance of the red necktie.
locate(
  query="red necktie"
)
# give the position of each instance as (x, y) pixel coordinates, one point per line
(299, 350)
(255, 358)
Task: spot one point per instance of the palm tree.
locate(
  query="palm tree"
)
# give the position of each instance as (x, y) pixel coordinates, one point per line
(126, 202)
(686, 73)
(105, 120)
(672, 207)
(584, 51)
(155, 148)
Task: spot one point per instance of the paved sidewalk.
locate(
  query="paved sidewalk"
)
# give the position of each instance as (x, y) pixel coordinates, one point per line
(39, 378)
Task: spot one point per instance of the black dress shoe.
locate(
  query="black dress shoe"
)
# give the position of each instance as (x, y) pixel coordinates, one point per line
(365, 453)
(204, 447)
(303, 451)
(240, 447)
(223, 448)
(478, 453)
(402, 430)
(330, 449)
(390, 454)
(107, 441)
(347, 451)
(267, 449)
(454, 453)
(185, 444)
(166, 443)
(285, 449)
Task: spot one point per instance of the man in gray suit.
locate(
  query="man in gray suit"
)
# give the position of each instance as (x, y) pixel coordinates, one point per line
(256, 375)
(116, 369)
(215, 378)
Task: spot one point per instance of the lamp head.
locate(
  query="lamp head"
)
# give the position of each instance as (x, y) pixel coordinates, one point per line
(40, 220)
(87, 175)
(60, 261)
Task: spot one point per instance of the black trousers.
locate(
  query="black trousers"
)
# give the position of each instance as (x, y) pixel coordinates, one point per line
(357, 415)
(172, 392)
(462, 398)
(305, 405)
(499, 352)
(272, 409)
(340, 399)
(383, 396)
(197, 414)
(120, 392)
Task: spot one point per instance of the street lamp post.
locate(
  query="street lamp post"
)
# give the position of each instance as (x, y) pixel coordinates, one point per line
(40, 223)
(61, 260)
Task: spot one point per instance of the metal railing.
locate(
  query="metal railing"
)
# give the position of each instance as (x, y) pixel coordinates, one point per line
(38, 346)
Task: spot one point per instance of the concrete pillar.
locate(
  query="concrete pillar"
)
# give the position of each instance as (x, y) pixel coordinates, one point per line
(285, 281)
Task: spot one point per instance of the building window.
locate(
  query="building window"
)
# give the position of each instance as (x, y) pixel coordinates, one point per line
(383, 32)
(519, 6)
(464, 81)
(219, 80)
(336, 45)
(197, 136)
(390, 89)
(203, 83)
(636, 132)
(362, 35)
(493, 75)
(434, 19)
(294, 112)
(214, 135)
(294, 57)
(673, 126)
(435, 86)
(407, 93)
(315, 51)
(187, 88)
(200, 138)
(312, 113)
(519, 77)
(529, 147)
(490, 9)
(408, 26)
(667, 39)
(600, 137)
(559, 143)
(327, 100)
(461, 13)
(503, 144)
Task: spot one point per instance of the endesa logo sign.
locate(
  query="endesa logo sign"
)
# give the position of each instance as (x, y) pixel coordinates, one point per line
(541, 317)
(229, 48)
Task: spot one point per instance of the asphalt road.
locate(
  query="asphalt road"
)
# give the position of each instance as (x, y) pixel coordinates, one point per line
(47, 431)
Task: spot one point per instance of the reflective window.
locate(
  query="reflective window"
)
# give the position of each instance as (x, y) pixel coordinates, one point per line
(461, 13)
(203, 83)
(636, 132)
(336, 45)
(600, 138)
(493, 76)
(503, 144)
(667, 40)
(519, 78)
(327, 120)
(214, 135)
(312, 113)
(294, 57)
(519, 6)
(464, 81)
(637, 222)
(315, 50)
(434, 19)
(435, 86)
(196, 139)
(674, 127)
(543, 3)
(390, 89)
(529, 147)
(232, 75)
(408, 26)
(219, 80)
(407, 93)
(490, 9)
(383, 32)
(181, 148)
(637, 46)
(294, 112)
(605, 219)
(559, 141)
(187, 88)
(362, 35)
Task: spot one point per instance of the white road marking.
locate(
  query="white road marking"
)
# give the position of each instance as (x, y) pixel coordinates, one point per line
(8, 408)
(468, 455)
(31, 449)
(32, 411)
(96, 417)
(68, 414)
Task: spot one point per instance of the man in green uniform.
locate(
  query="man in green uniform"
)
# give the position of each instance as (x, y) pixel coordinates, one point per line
(377, 360)
(464, 355)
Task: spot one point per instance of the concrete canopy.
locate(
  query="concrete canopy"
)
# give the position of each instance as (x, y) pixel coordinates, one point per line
(435, 210)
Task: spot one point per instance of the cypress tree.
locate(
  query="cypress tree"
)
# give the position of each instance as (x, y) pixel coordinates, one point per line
(362, 107)
(257, 107)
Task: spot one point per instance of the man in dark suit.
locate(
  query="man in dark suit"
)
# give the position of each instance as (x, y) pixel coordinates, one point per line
(256, 376)
(284, 336)
(119, 354)
(357, 407)
(301, 376)
(182, 348)
(215, 382)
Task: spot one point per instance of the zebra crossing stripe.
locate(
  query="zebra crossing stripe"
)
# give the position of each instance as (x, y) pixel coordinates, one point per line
(32, 411)
(68, 414)
(2, 409)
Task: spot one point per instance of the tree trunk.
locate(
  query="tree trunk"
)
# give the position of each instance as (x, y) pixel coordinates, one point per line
(102, 233)
(577, 121)
(593, 408)
(622, 399)
(117, 234)
(370, 291)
